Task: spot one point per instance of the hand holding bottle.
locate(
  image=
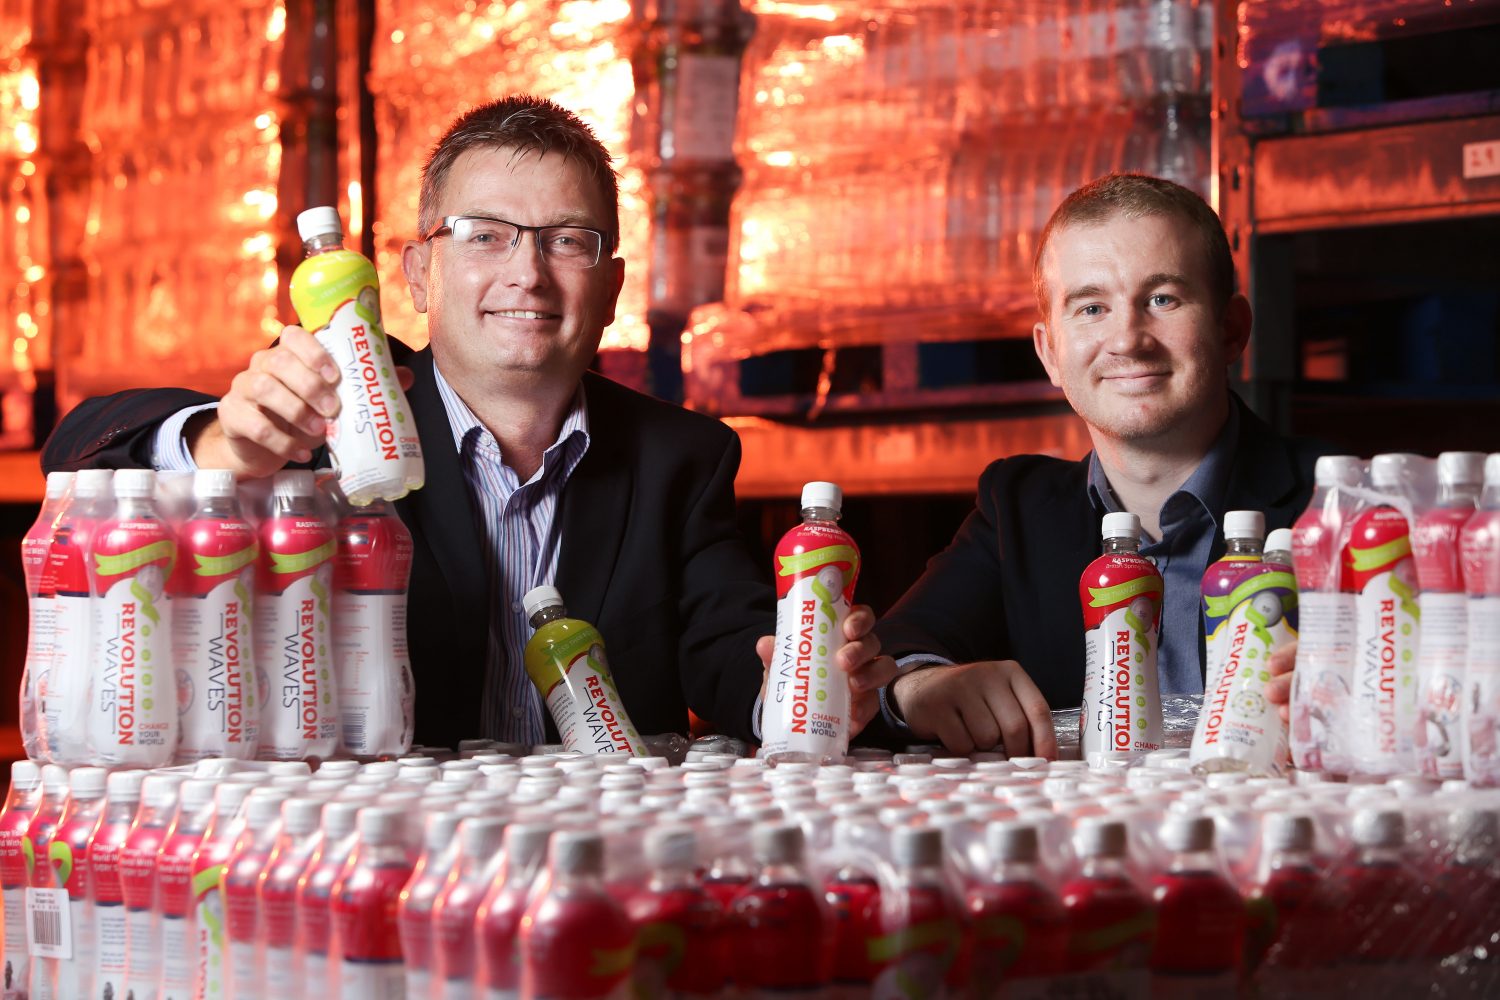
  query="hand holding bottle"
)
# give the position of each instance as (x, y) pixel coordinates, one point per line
(276, 411)
(859, 658)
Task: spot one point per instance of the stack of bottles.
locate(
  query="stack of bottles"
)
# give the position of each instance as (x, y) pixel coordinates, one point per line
(179, 109)
(177, 617)
(580, 875)
(1398, 664)
(937, 139)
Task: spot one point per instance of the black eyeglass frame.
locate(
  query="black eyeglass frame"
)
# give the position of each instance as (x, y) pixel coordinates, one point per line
(446, 223)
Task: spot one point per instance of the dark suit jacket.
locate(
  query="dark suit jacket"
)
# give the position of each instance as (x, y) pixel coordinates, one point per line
(649, 553)
(1007, 585)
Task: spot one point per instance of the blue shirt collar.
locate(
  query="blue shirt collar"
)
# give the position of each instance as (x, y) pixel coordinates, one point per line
(468, 427)
(1207, 485)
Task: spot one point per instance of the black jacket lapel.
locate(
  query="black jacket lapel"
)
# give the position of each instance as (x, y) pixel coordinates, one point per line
(595, 507)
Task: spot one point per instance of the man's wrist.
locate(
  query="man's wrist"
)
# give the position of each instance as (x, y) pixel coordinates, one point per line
(890, 704)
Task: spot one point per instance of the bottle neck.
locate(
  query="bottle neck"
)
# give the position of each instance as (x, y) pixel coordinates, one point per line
(1104, 866)
(1186, 862)
(1015, 871)
(293, 505)
(825, 514)
(1243, 547)
(1292, 858)
(322, 243)
(135, 508)
(550, 614)
(220, 507)
(671, 878)
(1119, 544)
(1458, 494)
(780, 873)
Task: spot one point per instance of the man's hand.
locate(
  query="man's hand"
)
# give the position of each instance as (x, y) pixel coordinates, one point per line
(276, 411)
(859, 659)
(976, 706)
(1279, 691)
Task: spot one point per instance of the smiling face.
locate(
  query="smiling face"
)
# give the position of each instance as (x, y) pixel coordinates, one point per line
(522, 323)
(1131, 335)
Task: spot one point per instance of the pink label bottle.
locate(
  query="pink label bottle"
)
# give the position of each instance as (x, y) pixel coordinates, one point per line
(1020, 926)
(1200, 918)
(20, 806)
(783, 934)
(498, 922)
(122, 802)
(683, 947)
(138, 863)
(363, 904)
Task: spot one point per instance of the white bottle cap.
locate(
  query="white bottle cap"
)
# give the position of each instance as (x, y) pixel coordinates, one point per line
(92, 482)
(264, 807)
(87, 782)
(823, 495)
(441, 826)
(25, 774)
(1378, 828)
(54, 779)
(778, 844)
(1101, 838)
(195, 793)
(338, 817)
(541, 597)
(417, 763)
(338, 768)
(1279, 540)
(229, 796)
(289, 768)
(1338, 470)
(1122, 524)
(578, 852)
(1492, 470)
(1389, 471)
(293, 483)
(1288, 832)
(213, 483)
(125, 786)
(1460, 467)
(380, 825)
(1011, 841)
(58, 483)
(672, 847)
(1187, 833)
(320, 221)
(135, 483)
(159, 791)
(1244, 524)
(299, 816)
(917, 846)
(1475, 830)
(526, 844)
(380, 769)
(480, 836)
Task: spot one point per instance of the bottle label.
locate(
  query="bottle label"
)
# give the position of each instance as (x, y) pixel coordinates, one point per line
(315, 974)
(280, 977)
(300, 718)
(243, 967)
(376, 694)
(16, 958)
(63, 691)
(1440, 668)
(112, 947)
(417, 981)
(208, 915)
(142, 971)
(586, 705)
(1383, 708)
(1237, 721)
(807, 695)
(1121, 712)
(1481, 723)
(49, 925)
(372, 980)
(133, 701)
(212, 624)
(374, 439)
(1320, 685)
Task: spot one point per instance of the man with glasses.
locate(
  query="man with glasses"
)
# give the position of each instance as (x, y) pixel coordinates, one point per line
(538, 471)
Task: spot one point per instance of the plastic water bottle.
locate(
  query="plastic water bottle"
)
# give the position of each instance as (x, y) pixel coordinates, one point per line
(783, 935)
(174, 888)
(1121, 593)
(41, 611)
(277, 894)
(337, 297)
(63, 692)
(293, 620)
(498, 922)
(924, 940)
(573, 908)
(455, 910)
(1102, 898)
(363, 904)
(1325, 606)
(132, 716)
(36, 848)
(1020, 926)
(122, 802)
(21, 802)
(244, 923)
(1200, 918)
(673, 907)
(68, 855)
(138, 861)
(1479, 546)
(565, 660)
(211, 947)
(314, 891)
(376, 691)
(213, 609)
(806, 714)
(414, 912)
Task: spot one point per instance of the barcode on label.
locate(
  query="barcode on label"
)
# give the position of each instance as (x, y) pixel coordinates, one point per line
(48, 931)
(354, 732)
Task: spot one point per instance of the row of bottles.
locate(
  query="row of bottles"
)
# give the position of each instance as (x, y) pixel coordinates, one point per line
(567, 875)
(181, 630)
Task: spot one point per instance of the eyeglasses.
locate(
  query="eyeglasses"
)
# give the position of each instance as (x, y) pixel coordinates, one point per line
(495, 240)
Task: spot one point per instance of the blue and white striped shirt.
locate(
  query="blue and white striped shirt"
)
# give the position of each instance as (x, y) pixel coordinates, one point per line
(518, 522)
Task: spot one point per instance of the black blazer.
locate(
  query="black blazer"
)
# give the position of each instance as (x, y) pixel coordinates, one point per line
(649, 553)
(1007, 585)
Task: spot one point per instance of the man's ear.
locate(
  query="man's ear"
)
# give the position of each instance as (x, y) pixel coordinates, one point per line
(416, 258)
(1236, 325)
(1043, 345)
